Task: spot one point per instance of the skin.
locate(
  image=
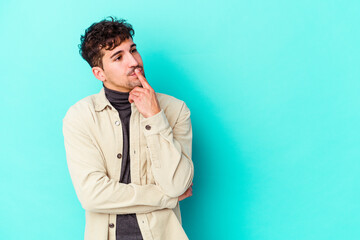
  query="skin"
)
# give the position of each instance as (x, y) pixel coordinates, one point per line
(123, 71)
(119, 65)
(186, 194)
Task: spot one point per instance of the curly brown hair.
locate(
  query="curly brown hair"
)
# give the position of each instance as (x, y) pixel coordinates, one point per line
(106, 34)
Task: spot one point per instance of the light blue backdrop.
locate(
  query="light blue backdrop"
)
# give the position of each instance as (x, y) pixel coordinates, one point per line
(273, 87)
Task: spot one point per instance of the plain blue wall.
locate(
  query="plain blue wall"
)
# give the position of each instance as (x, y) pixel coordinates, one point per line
(273, 87)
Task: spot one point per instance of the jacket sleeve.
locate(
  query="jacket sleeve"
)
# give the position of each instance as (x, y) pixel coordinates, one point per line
(170, 150)
(95, 190)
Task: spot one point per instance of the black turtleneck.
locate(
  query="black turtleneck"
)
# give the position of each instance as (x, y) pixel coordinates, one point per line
(127, 226)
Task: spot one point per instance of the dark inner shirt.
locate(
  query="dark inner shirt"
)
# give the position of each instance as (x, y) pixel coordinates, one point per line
(127, 226)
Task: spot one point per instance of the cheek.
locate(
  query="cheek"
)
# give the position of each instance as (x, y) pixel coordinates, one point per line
(117, 71)
(139, 60)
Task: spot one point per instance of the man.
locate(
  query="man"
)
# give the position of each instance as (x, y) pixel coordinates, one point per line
(128, 148)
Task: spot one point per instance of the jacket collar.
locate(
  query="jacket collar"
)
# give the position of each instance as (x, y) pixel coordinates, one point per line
(101, 102)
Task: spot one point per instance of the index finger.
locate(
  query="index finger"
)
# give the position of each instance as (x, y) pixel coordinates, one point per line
(142, 79)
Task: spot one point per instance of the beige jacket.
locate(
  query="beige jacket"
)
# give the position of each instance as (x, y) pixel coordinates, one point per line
(161, 166)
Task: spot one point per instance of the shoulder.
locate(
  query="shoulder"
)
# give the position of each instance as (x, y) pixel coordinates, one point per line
(82, 109)
(173, 108)
(167, 101)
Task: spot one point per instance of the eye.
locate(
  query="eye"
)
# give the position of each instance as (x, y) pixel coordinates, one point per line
(118, 58)
(133, 50)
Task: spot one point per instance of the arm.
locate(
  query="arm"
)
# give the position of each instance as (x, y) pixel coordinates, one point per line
(170, 148)
(95, 190)
(170, 151)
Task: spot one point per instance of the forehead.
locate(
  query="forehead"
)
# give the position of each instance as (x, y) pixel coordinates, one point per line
(124, 46)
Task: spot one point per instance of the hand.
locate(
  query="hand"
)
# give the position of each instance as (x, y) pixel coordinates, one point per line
(186, 194)
(144, 97)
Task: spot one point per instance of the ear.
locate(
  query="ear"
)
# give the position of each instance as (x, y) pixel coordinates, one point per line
(99, 73)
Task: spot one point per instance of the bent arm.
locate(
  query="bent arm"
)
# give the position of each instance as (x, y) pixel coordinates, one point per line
(170, 151)
(95, 190)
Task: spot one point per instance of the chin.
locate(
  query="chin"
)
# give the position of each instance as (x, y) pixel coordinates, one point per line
(136, 83)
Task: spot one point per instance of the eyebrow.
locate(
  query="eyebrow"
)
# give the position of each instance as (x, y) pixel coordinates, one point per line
(132, 45)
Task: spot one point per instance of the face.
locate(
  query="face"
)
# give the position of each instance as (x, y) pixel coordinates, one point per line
(119, 64)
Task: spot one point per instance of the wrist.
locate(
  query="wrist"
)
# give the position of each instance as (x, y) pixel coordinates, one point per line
(152, 113)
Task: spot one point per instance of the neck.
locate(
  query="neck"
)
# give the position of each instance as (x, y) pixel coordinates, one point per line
(120, 100)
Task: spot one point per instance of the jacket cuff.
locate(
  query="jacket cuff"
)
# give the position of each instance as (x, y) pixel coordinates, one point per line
(155, 124)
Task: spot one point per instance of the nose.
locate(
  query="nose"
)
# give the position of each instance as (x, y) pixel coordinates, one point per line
(132, 61)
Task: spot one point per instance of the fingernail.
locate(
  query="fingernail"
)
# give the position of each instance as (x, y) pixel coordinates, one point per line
(137, 70)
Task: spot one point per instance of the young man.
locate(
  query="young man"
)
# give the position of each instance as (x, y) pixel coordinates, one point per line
(128, 148)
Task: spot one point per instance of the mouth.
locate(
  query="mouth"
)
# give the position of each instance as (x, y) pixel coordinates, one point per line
(134, 74)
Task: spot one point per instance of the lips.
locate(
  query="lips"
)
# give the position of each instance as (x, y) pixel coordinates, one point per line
(134, 74)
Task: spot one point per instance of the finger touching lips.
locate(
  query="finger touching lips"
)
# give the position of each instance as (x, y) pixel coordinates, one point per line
(133, 71)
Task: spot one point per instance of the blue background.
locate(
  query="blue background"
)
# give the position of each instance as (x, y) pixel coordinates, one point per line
(273, 87)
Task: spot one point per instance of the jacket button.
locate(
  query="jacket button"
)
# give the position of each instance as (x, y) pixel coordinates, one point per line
(111, 225)
(148, 127)
(117, 123)
(119, 155)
